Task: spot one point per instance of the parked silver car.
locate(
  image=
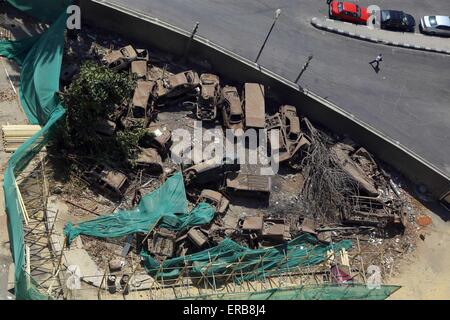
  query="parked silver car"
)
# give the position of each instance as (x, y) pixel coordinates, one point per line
(435, 25)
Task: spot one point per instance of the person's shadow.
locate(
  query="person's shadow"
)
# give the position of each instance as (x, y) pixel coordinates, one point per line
(376, 67)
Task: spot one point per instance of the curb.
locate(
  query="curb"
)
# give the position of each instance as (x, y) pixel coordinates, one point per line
(316, 23)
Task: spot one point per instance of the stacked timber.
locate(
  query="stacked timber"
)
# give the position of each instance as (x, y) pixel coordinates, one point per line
(15, 135)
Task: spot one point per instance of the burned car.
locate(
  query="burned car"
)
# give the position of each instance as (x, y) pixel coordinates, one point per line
(158, 137)
(120, 59)
(233, 116)
(254, 105)
(216, 199)
(252, 226)
(291, 123)
(364, 183)
(162, 244)
(176, 85)
(150, 160)
(242, 183)
(107, 179)
(209, 97)
(291, 138)
(372, 211)
(276, 230)
(209, 171)
(139, 68)
(140, 103)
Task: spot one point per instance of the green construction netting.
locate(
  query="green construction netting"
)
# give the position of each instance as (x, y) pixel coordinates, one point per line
(307, 292)
(44, 10)
(40, 60)
(245, 264)
(167, 206)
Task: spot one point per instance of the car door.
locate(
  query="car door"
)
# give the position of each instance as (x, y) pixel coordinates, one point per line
(443, 30)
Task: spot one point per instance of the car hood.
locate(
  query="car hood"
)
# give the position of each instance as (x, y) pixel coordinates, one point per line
(410, 19)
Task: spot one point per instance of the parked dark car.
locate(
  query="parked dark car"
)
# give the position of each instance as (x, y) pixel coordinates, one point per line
(397, 21)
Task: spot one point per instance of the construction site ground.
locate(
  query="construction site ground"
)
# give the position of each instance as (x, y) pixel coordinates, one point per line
(417, 260)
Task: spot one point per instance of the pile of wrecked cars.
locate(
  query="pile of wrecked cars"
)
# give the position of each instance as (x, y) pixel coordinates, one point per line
(217, 182)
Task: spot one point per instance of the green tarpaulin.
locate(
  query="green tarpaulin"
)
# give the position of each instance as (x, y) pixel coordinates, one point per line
(167, 206)
(44, 10)
(40, 60)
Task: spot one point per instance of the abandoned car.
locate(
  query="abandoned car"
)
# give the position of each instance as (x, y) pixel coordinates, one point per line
(120, 59)
(162, 244)
(365, 183)
(158, 137)
(176, 85)
(209, 171)
(139, 68)
(233, 117)
(276, 230)
(140, 103)
(209, 97)
(107, 179)
(291, 138)
(216, 199)
(372, 211)
(254, 106)
(242, 183)
(150, 160)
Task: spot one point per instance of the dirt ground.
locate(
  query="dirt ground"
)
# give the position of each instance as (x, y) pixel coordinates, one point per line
(425, 274)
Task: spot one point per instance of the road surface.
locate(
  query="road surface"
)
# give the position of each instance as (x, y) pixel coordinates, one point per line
(409, 99)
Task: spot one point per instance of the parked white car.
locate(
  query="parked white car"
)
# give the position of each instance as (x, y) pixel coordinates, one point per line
(435, 25)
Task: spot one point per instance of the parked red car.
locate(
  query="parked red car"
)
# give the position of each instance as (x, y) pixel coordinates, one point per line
(347, 11)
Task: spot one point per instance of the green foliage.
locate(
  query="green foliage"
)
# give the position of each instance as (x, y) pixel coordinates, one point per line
(128, 140)
(91, 97)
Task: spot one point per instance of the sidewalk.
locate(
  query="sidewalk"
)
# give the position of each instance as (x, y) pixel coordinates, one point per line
(408, 40)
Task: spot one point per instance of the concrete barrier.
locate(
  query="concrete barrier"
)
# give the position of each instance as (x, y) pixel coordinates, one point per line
(163, 36)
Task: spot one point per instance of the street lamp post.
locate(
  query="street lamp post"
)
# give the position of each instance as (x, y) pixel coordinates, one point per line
(275, 18)
(188, 45)
(305, 66)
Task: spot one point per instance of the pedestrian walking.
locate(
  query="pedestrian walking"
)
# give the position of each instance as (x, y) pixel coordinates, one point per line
(377, 60)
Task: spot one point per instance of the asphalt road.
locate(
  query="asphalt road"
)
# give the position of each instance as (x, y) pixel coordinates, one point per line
(409, 99)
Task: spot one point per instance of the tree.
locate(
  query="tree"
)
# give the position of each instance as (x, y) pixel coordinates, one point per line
(93, 96)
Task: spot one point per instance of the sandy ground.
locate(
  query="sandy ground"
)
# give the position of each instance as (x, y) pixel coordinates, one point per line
(426, 273)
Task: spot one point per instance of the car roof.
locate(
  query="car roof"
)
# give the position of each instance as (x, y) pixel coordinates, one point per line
(443, 20)
(348, 6)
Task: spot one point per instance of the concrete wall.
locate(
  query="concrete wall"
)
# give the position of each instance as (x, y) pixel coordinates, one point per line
(160, 35)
